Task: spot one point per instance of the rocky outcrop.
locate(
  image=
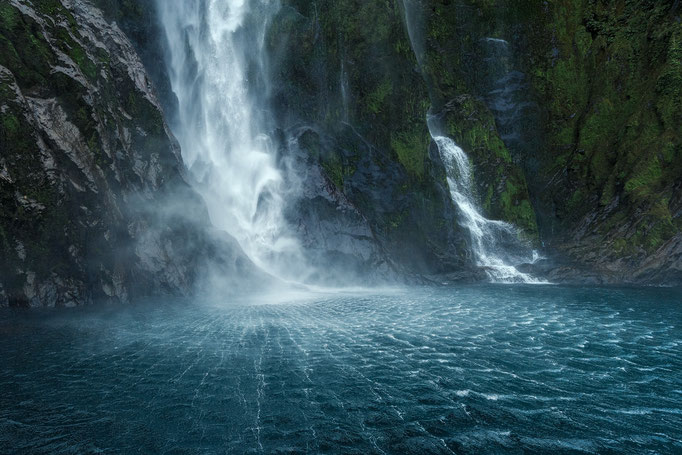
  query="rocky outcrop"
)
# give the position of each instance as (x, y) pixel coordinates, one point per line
(608, 78)
(339, 242)
(93, 198)
(351, 77)
(569, 111)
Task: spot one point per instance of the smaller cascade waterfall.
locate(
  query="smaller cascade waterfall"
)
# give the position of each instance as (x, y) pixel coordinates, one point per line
(218, 72)
(494, 243)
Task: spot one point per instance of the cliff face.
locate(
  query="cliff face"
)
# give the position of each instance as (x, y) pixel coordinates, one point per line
(587, 98)
(570, 112)
(364, 76)
(608, 76)
(346, 71)
(94, 203)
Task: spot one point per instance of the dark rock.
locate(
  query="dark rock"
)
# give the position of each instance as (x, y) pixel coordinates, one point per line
(94, 202)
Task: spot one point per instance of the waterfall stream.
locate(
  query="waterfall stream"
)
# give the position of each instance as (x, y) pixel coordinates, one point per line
(495, 244)
(218, 71)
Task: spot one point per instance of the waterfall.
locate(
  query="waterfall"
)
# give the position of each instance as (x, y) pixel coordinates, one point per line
(218, 71)
(495, 244)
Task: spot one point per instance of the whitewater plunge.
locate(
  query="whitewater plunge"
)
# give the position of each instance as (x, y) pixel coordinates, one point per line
(218, 71)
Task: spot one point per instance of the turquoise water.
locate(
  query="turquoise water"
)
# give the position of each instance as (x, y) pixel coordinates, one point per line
(479, 369)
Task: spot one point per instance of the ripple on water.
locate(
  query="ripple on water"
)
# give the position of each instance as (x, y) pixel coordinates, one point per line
(467, 370)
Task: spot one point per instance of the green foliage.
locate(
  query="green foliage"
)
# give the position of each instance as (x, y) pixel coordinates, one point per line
(10, 124)
(411, 148)
(9, 16)
(377, 98)
(81, 59)
(336, 170)
(669, 84)
(644, 179)
(517, 209)
(609, 75)
(499, 183)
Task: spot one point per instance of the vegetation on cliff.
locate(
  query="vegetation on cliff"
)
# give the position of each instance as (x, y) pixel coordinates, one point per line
(609, 77)
(569, 110)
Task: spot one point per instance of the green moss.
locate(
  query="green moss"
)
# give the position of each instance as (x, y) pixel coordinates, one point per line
(576, 201)
(516, 209)
(609, 75)
(472, 126)
(486, 203)
(336, 167)
(644, 179)
(597, 130)
(655, 228)
(376, 99)
(10, 124)
(480, 136)
(411, 148)
(49, 7)
(147, 115)
(23, 48)
(66, 42)
(310, 143)
(9, 16)
(669, 84)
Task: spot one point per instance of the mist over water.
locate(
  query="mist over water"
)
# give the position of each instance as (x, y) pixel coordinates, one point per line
(218, 71)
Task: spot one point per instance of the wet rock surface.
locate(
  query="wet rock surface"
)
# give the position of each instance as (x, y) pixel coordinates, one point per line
(563, 140)
(94, 202)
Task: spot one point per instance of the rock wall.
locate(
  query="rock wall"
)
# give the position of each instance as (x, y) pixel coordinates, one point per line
(570, 111)
(608, 76)
(346, 71)
(594, 91)
(94, 202)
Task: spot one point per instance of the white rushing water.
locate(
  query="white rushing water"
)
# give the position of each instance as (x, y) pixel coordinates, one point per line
(494, 243)
(218, 72)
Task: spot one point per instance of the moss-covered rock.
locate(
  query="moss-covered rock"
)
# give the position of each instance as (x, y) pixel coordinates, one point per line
(347, 69)
(465, 60)
(608, 77)
(499, 184)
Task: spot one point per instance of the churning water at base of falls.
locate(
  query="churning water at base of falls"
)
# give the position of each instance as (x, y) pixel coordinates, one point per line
(495, 244)
(468, 370)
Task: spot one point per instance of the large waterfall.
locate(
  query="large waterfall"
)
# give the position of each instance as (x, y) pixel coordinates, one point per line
(218, 71)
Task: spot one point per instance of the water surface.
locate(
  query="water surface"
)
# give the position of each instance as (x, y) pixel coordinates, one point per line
(479, 369)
